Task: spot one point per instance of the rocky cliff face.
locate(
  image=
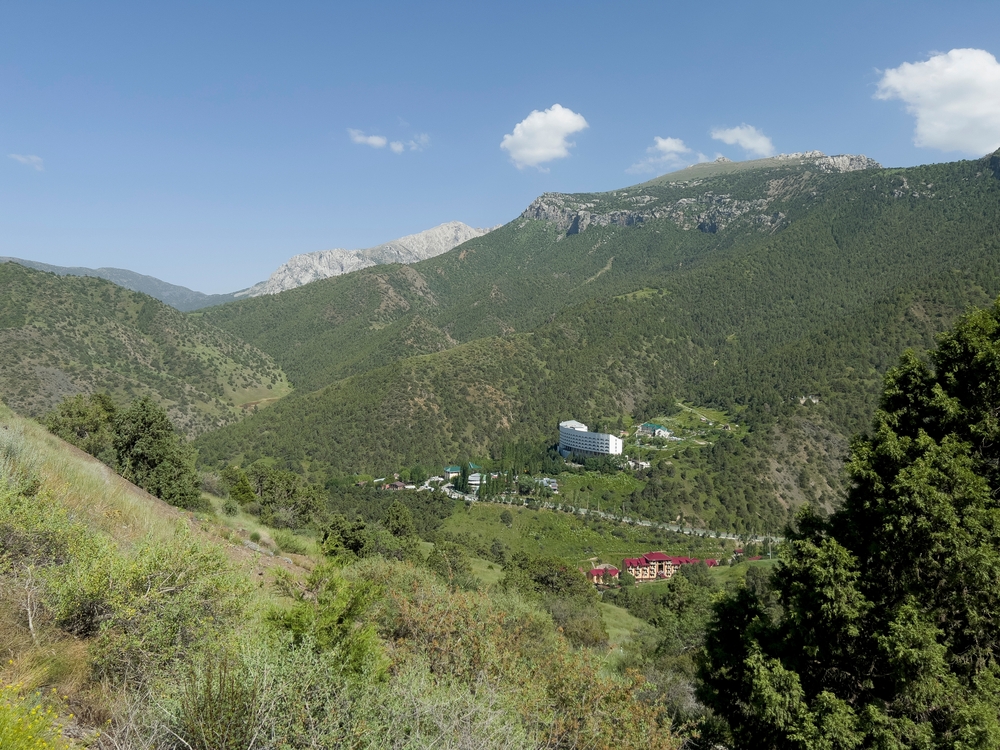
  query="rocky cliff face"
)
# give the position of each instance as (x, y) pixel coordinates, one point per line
(707, 212)
(307, 267)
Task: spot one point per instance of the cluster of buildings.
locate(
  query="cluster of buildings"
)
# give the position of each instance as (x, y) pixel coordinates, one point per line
(652, 429)
(652, 566)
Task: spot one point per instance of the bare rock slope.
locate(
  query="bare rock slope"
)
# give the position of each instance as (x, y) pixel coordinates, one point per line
(307, 267)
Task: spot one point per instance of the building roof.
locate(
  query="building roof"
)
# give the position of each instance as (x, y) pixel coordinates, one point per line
(572, 424)
(653, 426)
(602, 570)
(453, 469)
(656, 557)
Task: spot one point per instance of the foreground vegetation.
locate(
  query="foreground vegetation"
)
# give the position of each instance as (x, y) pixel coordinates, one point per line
(154, 633)
(879, 630)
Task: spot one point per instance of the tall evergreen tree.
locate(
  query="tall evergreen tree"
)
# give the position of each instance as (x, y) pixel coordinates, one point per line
(151, 454)
(887, 635)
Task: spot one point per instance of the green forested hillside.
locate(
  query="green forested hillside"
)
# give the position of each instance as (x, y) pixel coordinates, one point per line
(61, 335)
(748, 290)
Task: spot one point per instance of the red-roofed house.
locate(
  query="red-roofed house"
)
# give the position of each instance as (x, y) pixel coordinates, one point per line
(598, 573)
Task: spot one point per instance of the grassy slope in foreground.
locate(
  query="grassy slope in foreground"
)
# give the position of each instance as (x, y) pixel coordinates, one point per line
(62, 335)
(88, 495)
(440, 642)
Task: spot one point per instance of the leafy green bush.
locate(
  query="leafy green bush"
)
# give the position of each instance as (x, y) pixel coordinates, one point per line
(146, 607)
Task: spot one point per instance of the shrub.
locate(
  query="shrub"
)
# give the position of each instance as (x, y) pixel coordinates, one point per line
(230, 507)
(26, 724)
(223, 707)
(147, 607)
(289, 542)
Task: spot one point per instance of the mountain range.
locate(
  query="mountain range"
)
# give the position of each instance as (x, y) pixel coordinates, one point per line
(778, 291)
(309, 267)
(300, 269)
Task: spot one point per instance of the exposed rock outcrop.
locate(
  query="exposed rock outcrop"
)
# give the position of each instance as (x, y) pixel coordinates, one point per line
(846, 163)
(307, 267)
(709, 212)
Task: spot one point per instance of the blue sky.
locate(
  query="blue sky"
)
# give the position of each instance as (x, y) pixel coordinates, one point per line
(206, 143)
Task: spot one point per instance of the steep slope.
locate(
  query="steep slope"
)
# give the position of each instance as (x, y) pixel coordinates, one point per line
(308, 267)
(748, 290)
(179, 297)
(61, 335)
(562, 250)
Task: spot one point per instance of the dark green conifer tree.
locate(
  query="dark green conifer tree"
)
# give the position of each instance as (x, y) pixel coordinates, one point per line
(886, 633)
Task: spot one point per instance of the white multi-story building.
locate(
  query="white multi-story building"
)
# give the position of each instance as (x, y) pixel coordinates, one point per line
(574, 438)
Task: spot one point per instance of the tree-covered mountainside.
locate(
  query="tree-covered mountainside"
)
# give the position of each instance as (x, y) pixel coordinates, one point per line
(176, 296)
(63, 335)
(879, 628)
(748, 289)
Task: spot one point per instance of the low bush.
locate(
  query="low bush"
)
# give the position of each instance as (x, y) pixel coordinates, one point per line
(290, 542)
(26, 723)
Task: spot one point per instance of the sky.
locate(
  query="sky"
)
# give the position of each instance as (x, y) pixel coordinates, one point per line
(206, 143)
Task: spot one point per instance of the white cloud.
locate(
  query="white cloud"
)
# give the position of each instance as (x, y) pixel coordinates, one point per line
(955, 97)
(541, 136)
(375, 141)
(419, 142)
(664, 154)
(746, 137)
(30, 160)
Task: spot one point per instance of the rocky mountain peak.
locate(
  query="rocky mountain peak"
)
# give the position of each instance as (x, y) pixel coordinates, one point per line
(307, 267)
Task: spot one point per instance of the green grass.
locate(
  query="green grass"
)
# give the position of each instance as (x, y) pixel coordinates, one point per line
(587, 490)
(239, 527)
(568, 537)
(725, 573)
(486, 571)
(621, 625)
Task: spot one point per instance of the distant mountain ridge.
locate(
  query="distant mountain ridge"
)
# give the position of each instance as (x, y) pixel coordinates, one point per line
(178, 297)
(307, 267)
(300, 269)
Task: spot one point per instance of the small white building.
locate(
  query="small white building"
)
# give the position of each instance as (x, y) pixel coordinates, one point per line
(574, 438)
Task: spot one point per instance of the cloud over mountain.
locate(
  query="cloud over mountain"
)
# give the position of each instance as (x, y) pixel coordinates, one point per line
(542, 136)
(955, 98)
(665, 153)
(746, 137)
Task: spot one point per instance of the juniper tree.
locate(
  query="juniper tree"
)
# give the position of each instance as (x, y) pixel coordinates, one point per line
(886, 635)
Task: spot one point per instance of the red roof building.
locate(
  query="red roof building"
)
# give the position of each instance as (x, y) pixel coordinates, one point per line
(599, 573)
(654, 566)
